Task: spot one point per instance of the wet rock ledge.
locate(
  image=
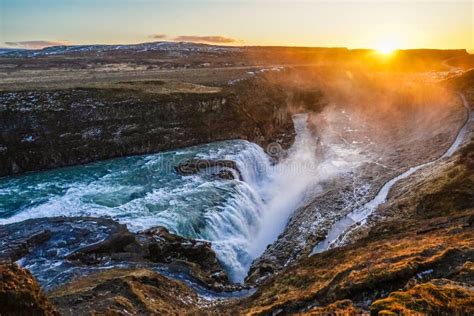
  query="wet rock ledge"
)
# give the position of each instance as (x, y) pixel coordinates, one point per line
(59, 249)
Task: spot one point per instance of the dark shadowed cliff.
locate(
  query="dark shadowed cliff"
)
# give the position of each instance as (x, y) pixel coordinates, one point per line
(43, 129)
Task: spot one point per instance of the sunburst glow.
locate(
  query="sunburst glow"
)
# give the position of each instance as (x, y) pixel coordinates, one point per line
(385, 48)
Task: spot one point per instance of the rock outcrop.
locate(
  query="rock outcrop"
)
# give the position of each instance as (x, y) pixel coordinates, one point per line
(125, 292)
(194, 166)
(89, 244)
(195, 255)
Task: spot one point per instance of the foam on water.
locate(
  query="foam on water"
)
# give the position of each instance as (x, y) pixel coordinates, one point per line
(286, 186)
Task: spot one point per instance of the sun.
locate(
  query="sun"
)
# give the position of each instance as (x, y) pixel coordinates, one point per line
(385, 48)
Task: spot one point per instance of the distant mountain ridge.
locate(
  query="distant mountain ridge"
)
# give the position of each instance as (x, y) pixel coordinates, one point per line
(197, 47)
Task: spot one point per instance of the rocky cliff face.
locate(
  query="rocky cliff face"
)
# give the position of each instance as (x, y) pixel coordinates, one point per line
(415, 256)
(310, 223)
(44, 129)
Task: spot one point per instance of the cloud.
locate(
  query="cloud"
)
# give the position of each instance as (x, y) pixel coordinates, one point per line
(217, 39)
(158, 36)
(34, 44)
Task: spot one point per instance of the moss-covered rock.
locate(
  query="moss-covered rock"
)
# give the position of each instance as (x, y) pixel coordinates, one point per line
(437, 297)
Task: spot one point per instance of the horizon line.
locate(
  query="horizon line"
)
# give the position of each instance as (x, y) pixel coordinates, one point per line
(230, 46)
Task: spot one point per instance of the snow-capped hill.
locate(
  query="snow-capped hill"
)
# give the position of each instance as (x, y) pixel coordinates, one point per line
(142, 47)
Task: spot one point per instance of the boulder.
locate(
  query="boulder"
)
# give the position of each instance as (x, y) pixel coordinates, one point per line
(225, 174)
(20, 294)
(196, 255)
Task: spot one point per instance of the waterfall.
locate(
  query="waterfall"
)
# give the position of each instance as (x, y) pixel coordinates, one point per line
(144, 191)
(286, 186)
(232, 230)
(239, 217)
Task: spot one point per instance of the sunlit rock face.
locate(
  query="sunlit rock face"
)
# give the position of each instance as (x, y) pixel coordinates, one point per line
(126, 291)
(20, 294)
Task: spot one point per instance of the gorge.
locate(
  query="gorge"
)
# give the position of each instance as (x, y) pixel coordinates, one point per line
(275, 189)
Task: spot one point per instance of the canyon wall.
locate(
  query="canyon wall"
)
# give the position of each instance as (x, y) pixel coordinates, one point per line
(43, 129)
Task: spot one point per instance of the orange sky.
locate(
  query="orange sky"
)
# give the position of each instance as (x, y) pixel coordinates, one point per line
(353, 24)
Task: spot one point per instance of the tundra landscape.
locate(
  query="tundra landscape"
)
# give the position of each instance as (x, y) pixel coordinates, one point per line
(187, 178)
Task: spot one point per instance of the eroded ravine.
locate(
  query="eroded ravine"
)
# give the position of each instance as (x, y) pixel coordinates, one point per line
(343, 227)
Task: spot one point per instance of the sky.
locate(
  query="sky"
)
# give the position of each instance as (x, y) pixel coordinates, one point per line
(352, 24)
